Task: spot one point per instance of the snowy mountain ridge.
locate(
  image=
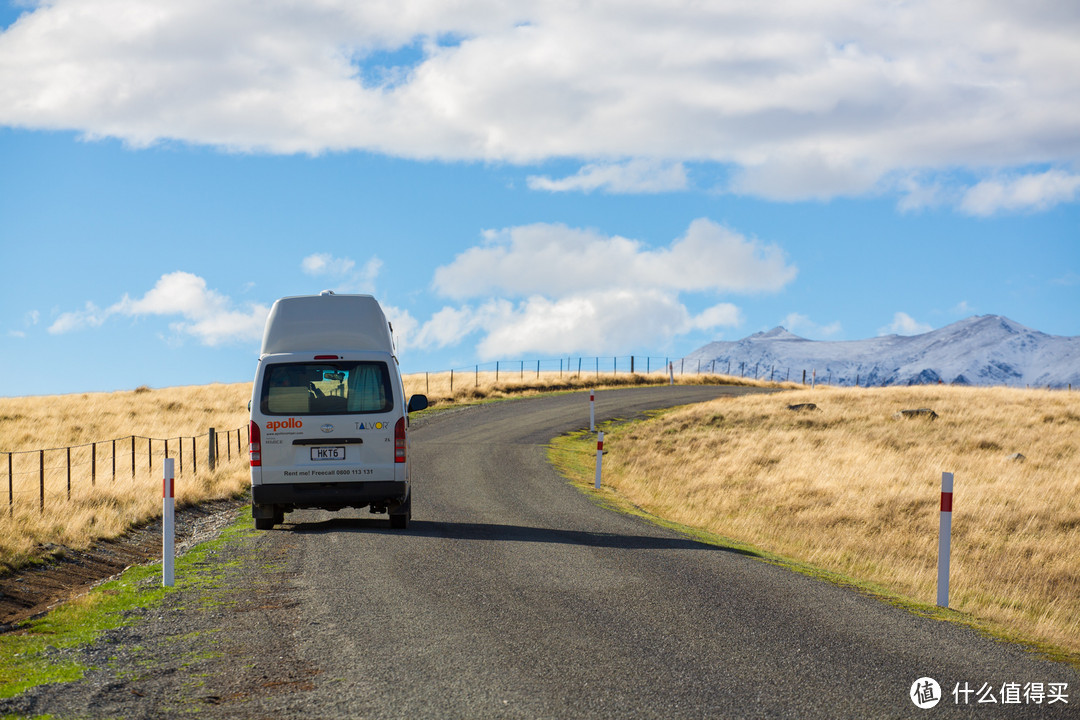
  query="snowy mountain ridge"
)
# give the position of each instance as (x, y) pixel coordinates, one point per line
(979, 350)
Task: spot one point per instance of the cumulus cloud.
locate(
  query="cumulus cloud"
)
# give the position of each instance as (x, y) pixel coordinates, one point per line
(801, 100)
(550, 288)
(343, 272)
(635, 176)
(89, 316)
(554, 259)
(326, 264)
(904, 324)
(1024, 193)
(204, 313)
(599, 322)
(802, 325)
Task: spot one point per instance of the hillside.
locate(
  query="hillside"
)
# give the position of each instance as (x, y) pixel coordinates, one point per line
(980, 350)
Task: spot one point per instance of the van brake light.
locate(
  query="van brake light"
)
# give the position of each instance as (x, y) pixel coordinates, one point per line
(255, 447)
(327, 357)
(399, 441)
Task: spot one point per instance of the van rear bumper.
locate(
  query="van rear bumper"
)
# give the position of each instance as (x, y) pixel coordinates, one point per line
(331, 496)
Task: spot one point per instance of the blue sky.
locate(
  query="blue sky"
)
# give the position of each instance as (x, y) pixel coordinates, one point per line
(524, 183)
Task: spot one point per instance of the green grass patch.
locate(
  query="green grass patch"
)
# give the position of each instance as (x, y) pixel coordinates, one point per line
(31, 654)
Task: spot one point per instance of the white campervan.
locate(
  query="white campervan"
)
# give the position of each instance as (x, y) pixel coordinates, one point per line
(329, 420)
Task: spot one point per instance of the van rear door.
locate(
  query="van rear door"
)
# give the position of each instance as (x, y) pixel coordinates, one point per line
(327, 418)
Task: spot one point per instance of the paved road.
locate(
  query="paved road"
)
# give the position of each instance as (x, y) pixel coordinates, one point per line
(514, 595)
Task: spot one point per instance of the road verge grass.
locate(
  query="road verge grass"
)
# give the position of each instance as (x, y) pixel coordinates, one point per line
(35, 652)
(850, 493)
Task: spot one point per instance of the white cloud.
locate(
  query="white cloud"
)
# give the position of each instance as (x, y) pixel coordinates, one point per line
(722, 315)
(342, 270)
(177, 293)
(802, 325)
(634, 176)
(553, 259)
(1023, 193)
(600, 322)
(403, 325)
(962, 308)
(904, 324)
(90, 316)
(795, 176)
(206, 314)
(549, 288)
(326, 264)
(802, 100)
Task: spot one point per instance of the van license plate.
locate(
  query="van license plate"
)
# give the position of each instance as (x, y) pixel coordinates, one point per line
(327, 453)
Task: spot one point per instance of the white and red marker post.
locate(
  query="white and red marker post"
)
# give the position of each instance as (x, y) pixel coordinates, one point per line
(944, 540)
(168, 525)
(599, 456)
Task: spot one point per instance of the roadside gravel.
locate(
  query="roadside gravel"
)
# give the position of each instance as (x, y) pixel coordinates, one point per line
(67, 573)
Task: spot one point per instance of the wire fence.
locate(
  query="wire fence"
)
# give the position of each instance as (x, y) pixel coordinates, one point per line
(600, 366)
(597, 366)
(50, 476)
(565, 367)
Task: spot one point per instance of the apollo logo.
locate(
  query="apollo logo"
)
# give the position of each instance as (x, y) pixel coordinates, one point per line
(291, 423)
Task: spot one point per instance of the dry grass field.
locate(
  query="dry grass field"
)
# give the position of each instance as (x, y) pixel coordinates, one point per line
(100, 504)
(850, 488)
(107, 497)
(847, 488)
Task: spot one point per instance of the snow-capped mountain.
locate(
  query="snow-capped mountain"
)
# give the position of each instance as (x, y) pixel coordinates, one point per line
(982, 350)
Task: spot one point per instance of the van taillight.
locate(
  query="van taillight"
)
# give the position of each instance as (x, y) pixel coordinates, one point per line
(255, 447)
(399, 441)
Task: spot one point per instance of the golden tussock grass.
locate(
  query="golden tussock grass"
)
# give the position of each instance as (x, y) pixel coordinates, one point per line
(852, 489)
(100, 504)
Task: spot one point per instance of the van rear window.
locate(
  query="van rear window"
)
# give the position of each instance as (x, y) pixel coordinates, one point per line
(322, 388)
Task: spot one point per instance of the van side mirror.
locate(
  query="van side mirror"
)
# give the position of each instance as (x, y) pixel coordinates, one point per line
(417, 403)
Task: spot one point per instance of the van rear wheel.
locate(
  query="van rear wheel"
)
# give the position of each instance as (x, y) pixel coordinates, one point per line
(399, 517)
(266, 516)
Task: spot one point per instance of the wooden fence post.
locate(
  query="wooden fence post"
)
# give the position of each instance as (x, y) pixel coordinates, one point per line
(211, 452)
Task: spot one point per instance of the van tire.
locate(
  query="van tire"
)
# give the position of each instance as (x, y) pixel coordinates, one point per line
(264, 523)
(399, 520)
